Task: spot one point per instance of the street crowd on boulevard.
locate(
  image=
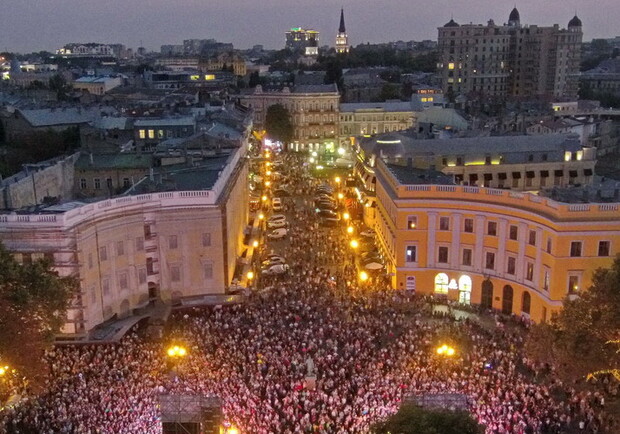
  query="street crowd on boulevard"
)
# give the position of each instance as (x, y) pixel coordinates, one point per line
(311, 351)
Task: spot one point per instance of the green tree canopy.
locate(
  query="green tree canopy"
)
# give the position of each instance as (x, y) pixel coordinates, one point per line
(33, 307)
(579, 340)
(278, 123)
(412, 419)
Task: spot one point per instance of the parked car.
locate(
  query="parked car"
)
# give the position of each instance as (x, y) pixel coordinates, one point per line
(326, 213)
(330, 221)
(276, 204)
(275, 260)
(326, 206)
(277, 234)
(282, 192)
(276, 217)
(276, 269)
(368, 233)
(276, 224)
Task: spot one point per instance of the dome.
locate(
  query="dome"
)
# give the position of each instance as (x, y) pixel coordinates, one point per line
(451, 23)
(575, 22)
(514, 15)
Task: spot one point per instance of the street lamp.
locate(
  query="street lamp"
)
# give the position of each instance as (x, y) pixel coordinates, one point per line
(255, 244)
(340, 196)
(354, 244)
(267, 183)
(350, 229)
(446, 350)
(250, 275)
(264, 198)
(3, 370)
(346, 216)
(363, 276)
(177, 351)
(337, 180)
(261, 216)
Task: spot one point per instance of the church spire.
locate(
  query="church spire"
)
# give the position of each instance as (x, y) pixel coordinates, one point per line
(342, 29)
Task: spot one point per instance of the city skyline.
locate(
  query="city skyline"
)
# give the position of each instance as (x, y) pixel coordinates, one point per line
(60, 22)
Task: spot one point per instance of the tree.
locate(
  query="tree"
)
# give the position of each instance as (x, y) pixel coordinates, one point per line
(33, 307)
(580, 340)
(278, 123)
(58, 83)
(412, 419)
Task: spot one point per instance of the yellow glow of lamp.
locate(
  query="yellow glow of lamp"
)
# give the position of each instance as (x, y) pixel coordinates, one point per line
(350, 229)
(340, 196)
(363, 276)
(3, 370)
(269, 173)
(232, 430)
(255, 244)
(261, 216)
(354, 244)
(250, 275)
(267, 183)
(337, 180)
(346, 216)
(177, 351)
(264, 198)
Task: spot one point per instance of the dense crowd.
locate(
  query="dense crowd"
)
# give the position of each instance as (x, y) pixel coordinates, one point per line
(316, 352)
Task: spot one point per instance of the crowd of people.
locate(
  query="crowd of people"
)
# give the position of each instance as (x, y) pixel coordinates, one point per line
(314, 351)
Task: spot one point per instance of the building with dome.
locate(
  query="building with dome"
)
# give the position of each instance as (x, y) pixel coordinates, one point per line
(510, 59)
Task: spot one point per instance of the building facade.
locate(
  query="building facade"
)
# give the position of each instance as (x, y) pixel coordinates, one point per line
(359, 119)
(305, 41)
(313, 108)
(510, 59)
(132, 250)
(519, 253)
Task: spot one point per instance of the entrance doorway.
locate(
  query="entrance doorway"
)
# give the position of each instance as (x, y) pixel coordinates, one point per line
(507, 300)
(486, 301)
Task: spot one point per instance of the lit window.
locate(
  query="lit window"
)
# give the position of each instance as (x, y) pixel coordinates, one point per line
(579, 155)
(412, 222)
(142, 134)
(573, 284)
(450, 65)
(567, 156)
(441, 283)
(151, 134)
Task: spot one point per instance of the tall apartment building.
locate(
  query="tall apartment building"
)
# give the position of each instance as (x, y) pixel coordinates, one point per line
(304, 40)
(510, 59)
(313, 108)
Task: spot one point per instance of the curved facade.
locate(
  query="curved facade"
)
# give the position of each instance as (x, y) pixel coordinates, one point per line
(515, 252)
(131, 250)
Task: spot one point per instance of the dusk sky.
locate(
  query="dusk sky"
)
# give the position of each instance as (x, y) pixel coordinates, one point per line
(33, 25)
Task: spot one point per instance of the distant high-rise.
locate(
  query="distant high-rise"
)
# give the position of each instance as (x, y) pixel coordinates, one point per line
(342, 40)
(510, 59)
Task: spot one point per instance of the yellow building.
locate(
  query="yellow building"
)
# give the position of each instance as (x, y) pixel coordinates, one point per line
(516, 252)
(171, 239)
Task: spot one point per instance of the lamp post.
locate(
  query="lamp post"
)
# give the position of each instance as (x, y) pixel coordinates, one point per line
(445, 350)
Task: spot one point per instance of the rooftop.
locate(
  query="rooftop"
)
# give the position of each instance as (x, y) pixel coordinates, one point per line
(388, 106)
(412, 176)
(114, 161)
(177, 121)
(65, 115)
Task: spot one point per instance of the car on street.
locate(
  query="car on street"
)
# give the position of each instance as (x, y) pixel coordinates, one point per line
(281, 192)
(368, 233)
(330, 221)
(275, 260)
(276, 204)
(276, 217)
(277, 234)
(326, 213)
(276, 224)
(276, 269)
(326, 205)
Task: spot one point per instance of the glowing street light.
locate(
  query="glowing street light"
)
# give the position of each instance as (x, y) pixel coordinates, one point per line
(312, 159)
(340, 196)
(255, 244)
(264, 198)
(267, 183)
(354, 244)
(341, 151)
(250, 275)
(337, 179)
(446, 350)
(3, 370)
(346, 216)
(269, 173)
(350, 230)
(261, 216)
(177, 351)
(363, 276)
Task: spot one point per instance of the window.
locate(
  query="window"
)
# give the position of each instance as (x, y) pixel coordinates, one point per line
(120, 248)
(526, 302)
(206, 240)
(122, 281)
(441, 283)
(173, 242)
(575, 248)
(83, 183)
(103, 253)
(511, 265)
(468, 225)
(490, 261)
(529, 271)
(126, 182)
(532, 239)
(412, 222)
(573, 284)
(108, 182)
(444, 223)
(546, 280)
(442, 257)
(142, 134)
(492, 228)
(105, 284)
(175, 273)
(466, 257)
(141, 275)
(151, 134)
(603, 248)
(411, 254)
(139, 243)
(90, 260)
(514, 232)
(208, 270)
(93, 294)
(549, 243)
(97, 183)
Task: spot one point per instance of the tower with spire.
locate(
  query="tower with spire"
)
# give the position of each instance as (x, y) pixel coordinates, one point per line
(342, 40)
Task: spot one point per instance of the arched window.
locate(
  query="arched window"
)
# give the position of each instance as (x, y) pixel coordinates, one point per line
(441, 283)
(465, 283)
(526, 302)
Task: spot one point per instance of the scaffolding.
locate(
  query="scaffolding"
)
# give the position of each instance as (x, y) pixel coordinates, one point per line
(190, 414)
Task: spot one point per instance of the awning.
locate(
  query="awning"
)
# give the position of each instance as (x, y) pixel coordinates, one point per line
(516, 175)
(587, 172)
(502, 175)
(544, 174)
(530, 174)
(572, 173)
(473, 176)
(488, 177)
(558, 173)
